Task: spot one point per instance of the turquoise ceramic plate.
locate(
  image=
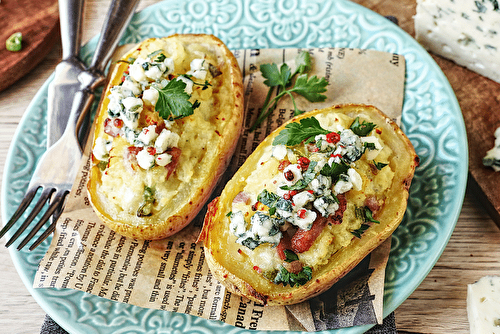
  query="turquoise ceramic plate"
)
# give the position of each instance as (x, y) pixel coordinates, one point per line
(431, 118)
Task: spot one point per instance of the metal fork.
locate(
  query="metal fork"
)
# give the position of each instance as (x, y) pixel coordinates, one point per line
(57, 168)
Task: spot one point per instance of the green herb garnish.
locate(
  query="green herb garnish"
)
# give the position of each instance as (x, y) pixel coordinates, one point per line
(285, 277)
(283, 80)
(146, 209)
(294, 133)
(365, 214)
(379, 165)
(362, 129)
(173, 102)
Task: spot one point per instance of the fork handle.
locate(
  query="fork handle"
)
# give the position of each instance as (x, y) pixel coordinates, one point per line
(70, 14)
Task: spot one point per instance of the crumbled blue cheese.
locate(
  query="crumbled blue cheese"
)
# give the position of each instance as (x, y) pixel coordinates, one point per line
(148, 135)
(197, 69)
(165, 140)
(145, 160)
(238, 225)
(483, 305)
(295, 171)
(304, 218)
(263, 229)
(101, 149)
(302, 198)
(492, 158)
(326, 205)
(189, 83)
(163, 159)
(150, 96)
(467, 32)
(350, 146)
(279, 152)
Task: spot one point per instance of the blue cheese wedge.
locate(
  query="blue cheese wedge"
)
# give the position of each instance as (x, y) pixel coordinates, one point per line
(465, 31)
(492, 158)
(483, 305)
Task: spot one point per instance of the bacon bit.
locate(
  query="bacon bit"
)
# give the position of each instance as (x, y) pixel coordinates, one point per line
(175, 152)
(293, 267)
(242, 197)
(289, 194)
(304, 163)
(151, 150)
(302, 213)
(283, 164)
(257, 269)
(379, 131)
(258, 206)
(372, 204)
(218, 133)
(110, 128)
(312, 147)
(239, 251)
(118, 123)
(336, 218)
(302, 240)
(285, 243)
(333, 137)
(130, 155)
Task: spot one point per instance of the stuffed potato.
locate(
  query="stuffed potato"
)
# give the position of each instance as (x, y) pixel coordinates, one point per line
(313, 199)
(165, 131)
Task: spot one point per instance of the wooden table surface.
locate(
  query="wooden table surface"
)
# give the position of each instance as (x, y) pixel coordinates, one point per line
(438, 305)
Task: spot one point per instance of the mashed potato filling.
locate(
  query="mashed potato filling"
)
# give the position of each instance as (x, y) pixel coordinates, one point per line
(140, 149)
(333, 182)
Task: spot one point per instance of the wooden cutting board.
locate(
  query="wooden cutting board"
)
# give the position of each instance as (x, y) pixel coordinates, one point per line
(38, 21)
(479, 99)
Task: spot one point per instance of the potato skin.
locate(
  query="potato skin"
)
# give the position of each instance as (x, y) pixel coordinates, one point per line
(199, 167)
(221, 250)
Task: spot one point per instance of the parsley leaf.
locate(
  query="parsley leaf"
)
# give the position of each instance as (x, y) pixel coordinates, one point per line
(283, 80)
(365, 214)
(379, 165)
(335, 170)
(295, 133)
(268, 198)
(303, 62)
(311, 88)
(285, 277)
(275, 77)
(173, 101)
(362, 129)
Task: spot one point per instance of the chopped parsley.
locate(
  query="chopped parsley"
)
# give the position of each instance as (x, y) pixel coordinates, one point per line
(362, 129)
(285, 277)
(365, 214)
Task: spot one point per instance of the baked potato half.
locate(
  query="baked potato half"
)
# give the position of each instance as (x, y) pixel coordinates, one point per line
(165, 130)
(313, 199)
